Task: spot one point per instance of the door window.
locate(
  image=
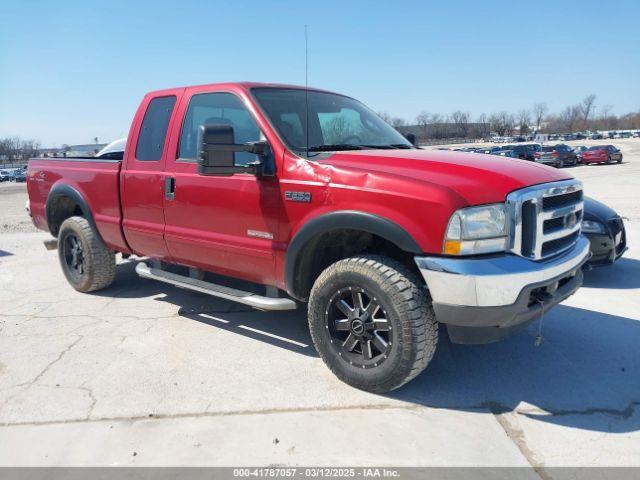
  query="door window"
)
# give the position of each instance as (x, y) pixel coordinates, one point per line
(218, 108)
(154, 128)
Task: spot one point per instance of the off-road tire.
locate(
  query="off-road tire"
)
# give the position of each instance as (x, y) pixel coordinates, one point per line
(99, 262)
(407, 306)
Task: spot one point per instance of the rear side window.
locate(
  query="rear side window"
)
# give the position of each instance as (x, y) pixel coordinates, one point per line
(154, 128)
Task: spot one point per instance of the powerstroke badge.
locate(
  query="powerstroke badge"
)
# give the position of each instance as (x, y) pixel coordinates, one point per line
(304, 197)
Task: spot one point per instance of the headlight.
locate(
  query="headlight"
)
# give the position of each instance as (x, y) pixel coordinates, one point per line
(477, 230)
(592, 226)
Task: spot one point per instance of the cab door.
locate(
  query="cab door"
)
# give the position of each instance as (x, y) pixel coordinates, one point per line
(224, 224)
(142, 178)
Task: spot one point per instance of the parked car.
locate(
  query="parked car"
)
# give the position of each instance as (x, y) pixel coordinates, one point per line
(596, 136)
(578, 150)
(524, 151)
(605, 230)
(5, 175)
(506, 153)
(18, 175)
(355, 222)
(602, 154)
(558, 156)
(625, 134)
(487, 150)
(114, 150)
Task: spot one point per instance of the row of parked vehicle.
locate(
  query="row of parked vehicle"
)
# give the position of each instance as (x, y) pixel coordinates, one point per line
(565, 137)
(559, 155)
(594, 136)
(14, 175)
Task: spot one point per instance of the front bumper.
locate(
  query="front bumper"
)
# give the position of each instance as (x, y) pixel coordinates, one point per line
(484, 299)
(605, 251)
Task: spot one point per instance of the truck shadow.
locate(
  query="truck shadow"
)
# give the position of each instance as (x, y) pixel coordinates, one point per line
(586, 373)
(286, 329)
(624, 275)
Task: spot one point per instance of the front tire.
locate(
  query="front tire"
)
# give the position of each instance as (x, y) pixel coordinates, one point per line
(372, 322)
(86, 262)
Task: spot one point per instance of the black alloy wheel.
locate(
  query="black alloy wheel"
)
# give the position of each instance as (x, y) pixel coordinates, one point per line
(74, 256)
(358, 327)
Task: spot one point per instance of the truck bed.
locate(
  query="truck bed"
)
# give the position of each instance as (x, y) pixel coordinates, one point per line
(96, 180)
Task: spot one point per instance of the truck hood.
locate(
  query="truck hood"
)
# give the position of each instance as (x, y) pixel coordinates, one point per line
(477, 178)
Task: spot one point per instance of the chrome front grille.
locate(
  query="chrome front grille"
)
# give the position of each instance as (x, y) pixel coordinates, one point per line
(545, 219)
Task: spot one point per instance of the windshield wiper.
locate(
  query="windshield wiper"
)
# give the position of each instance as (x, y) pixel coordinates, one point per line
(388, 146)
(402, 145)
(334, 147)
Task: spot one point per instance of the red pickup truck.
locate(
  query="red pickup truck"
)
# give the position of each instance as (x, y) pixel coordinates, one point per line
(310, 197)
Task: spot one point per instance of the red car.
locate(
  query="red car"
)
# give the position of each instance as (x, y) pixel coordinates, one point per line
(602, 154)
(309, 197)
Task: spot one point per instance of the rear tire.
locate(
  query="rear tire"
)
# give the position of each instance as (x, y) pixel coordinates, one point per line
(86, 262)
(372, 322)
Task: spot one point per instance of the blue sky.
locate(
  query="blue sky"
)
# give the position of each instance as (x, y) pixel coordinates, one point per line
(74, 70)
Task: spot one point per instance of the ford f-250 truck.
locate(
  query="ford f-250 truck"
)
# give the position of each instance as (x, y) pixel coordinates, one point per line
(311, 196)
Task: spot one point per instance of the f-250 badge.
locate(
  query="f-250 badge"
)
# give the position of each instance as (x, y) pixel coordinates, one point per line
(304, 197)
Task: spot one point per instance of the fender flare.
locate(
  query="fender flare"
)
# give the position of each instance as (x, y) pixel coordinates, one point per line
(64, 190)
(343, 219)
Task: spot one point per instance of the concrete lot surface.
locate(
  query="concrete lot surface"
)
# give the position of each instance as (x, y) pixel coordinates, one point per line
(146, 374)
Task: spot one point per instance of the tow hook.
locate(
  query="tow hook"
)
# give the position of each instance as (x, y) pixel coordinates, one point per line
(541, 296)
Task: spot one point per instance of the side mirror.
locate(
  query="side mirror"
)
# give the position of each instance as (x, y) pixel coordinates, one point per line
(411, 137)
(217, 148)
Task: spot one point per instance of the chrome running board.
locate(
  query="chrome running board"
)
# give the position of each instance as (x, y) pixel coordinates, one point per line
(247, 298)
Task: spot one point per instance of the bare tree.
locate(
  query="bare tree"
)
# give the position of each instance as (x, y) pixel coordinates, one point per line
(398, 122)
(385, 116)
(461, 120)
(524, 119)
(337, 130)
(14, 149)
(483, 128)
(539, 111)
(570, 116)
(422, 120)
(605, 117)
(29, 149)
(587, 108)
(502, 123)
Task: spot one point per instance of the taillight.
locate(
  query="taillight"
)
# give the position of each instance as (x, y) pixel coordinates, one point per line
(554, 154)
(536, 155)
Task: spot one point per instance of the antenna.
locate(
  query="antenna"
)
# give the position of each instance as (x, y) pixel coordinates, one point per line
(306, 90)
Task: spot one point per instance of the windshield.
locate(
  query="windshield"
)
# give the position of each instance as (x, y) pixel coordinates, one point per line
(335, 122)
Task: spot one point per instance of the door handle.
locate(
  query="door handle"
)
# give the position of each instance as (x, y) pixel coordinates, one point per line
(169, 188)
